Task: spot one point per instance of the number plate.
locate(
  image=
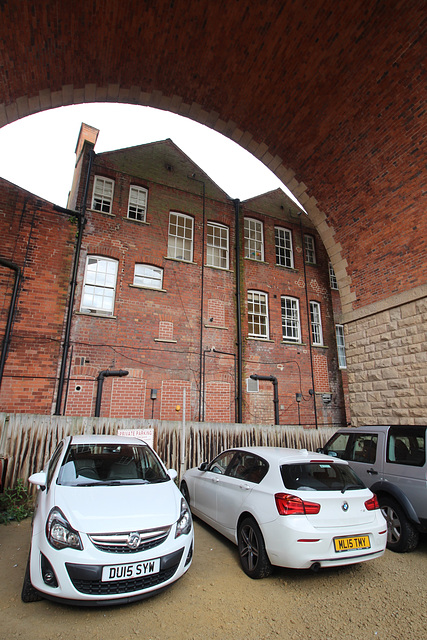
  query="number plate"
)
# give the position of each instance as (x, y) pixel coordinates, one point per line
(351, 543)
(129, 571)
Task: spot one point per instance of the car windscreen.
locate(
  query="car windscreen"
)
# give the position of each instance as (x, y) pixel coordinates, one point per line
(110, 464)
(320, 476)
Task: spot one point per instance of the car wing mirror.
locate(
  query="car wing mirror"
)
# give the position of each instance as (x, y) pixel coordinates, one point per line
(320, 450)
(39, 479)
(172, 473)
(203, 466)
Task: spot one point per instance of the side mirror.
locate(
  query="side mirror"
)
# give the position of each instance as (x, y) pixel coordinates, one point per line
(320, 450)
(38, 479)
(172, 474)
(203, 466)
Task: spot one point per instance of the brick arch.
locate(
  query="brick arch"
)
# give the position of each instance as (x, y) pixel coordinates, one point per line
(330, 96)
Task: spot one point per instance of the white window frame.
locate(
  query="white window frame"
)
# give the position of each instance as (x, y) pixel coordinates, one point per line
(254, 239)
(103, 193)
(291, 323)
(180, 236)
(309, 249)
(284, 249)
(149, 276)
(258, 317)
(342, 358)
(99, 285)
(332, 278)
(252, 386)
(217, 246)
(316, 323)
(137, 203)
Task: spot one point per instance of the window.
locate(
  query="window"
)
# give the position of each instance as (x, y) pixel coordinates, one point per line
(310, 250)
(99, 286)
(217, 246)
(332, 278)
(252, 386)
(148, 276)
(342, 360)
(180, 243)
(290, 319)
(316, 323)
(257, 314)
(284, 253)
(102, 198)
(137, 206)
(407, 445)
(254, 242)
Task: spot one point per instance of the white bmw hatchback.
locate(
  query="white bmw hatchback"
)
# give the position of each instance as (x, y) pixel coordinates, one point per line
(288, 508)
(110, 524)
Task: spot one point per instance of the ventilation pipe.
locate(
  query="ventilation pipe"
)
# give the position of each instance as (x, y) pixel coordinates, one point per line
(105, 374)
(272, 379)
(6, 340)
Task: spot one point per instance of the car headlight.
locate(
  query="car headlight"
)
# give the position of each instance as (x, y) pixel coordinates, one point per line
(183, 526)
(59, 532)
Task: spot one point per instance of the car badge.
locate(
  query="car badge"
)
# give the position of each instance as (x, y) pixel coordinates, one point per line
(344, 506)
(133, 540)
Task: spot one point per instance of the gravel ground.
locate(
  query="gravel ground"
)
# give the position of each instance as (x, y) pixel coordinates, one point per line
(384, 599)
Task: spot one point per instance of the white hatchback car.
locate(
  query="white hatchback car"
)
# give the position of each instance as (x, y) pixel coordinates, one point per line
(288, 508)
(110, 524)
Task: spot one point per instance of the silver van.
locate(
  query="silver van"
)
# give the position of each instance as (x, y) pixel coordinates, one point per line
(391, 460)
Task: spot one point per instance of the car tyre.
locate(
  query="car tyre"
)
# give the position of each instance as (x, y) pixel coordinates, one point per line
(29, 593)
(185, 492)
(402, 536)
(252, 552)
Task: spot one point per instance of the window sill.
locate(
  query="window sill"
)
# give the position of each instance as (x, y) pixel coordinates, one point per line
(180, 260)
(212, 266)
(140, 286)
(103, 213)
(258, 261)
(259, 339)
(95, 315)
(164, 340)
(320, 346)
(290, 269)
(291, 343)
(143, 222)
(215, 326)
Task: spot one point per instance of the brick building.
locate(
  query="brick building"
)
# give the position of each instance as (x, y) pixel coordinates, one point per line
(163, 301)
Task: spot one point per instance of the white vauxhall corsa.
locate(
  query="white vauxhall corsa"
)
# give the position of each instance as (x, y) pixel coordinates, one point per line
(110, 524)
(287, 507)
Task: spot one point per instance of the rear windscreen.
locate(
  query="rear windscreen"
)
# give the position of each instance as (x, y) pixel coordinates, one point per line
(320, 476)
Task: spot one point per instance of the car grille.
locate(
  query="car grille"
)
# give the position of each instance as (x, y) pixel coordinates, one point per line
(119, 542)
(96, 587)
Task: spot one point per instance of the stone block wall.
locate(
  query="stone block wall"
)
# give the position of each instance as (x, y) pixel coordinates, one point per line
(387, 365)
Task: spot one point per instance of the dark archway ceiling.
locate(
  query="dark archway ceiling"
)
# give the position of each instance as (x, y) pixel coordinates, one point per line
(331, 95)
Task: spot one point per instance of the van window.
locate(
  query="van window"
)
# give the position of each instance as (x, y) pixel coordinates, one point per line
(407, 445)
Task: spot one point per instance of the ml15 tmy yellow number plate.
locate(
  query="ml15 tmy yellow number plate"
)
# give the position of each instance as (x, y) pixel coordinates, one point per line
(351, 543)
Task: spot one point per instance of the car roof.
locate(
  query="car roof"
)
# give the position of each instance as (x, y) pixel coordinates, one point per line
(379, 428)
(283, 455)
(104, 439)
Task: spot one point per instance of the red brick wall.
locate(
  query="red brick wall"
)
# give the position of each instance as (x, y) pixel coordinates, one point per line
(40, 242)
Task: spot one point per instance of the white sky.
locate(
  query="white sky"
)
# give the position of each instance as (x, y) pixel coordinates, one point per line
(38, 152)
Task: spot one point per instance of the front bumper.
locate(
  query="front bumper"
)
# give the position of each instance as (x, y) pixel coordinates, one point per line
(78, 574)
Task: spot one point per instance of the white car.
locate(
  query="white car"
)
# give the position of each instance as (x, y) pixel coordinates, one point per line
(110, 524)
(288, 508)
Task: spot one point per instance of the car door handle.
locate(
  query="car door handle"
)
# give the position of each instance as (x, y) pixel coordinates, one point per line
(246, 487)
(215, 480)
(372, 472)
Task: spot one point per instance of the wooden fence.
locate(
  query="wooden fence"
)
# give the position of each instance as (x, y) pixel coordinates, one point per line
(28, 441)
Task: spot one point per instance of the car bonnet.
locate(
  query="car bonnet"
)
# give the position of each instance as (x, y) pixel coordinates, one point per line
(119, 508)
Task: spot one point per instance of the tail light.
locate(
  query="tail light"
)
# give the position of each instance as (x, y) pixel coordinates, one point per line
(289, 505)
(372, 503)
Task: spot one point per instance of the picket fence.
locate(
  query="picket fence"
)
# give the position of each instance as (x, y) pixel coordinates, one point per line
(28, 441)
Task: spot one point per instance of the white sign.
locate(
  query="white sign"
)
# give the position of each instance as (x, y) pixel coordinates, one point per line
(145, 434)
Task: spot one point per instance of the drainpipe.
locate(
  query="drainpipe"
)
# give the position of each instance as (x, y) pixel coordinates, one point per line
(6, 339)
(308, 320)
(272, 379)
(81, 221)
(193, 177)
(238, 315)
(105, 374)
